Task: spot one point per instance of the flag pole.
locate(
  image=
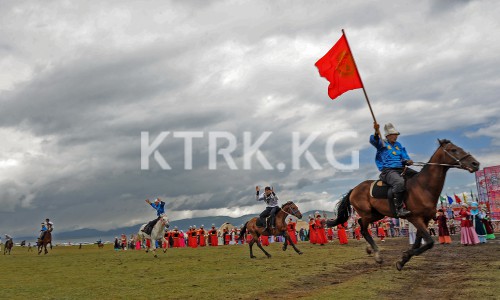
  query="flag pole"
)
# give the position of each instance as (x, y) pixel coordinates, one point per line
(362, 84)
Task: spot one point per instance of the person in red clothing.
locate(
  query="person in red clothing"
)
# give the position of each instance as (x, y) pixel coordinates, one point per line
(381, 231)
(194, 237)
(201, 235)
(313, 236)
(329, 234)
(342, 234)
(468, 235)
(357, 232)
(227, 236)
(320, 229)
(264, 240)
(290, 228)
(175, 237)
(212, 233)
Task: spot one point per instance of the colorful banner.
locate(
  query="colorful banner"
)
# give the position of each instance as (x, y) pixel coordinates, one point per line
(482, 191)
(492, 179)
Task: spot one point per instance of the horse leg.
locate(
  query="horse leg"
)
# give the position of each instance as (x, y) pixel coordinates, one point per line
(371, 243)
(250, 245)
(265, 252)
(285, 235)
(293, 245)
(45, 247)
(417, 249)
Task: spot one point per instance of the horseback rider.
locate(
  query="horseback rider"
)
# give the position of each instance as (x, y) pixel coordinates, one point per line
(391, 160)
(272, 204)
(159, 206)
(47, 226)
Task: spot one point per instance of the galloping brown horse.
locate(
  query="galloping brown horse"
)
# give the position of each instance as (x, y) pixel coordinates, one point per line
(42, 244)
(423, 191)
(288, 208)
(8, 246)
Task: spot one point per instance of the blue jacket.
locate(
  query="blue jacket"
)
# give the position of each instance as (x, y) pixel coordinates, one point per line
(160, 208)
(390, 155)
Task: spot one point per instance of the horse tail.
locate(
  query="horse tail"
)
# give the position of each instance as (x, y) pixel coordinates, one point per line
(343, 211)
(243, 231)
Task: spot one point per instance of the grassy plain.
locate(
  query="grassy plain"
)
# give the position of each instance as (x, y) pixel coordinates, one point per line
(332, 271)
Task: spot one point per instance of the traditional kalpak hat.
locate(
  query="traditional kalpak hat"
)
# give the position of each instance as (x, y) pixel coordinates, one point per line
(389, 129)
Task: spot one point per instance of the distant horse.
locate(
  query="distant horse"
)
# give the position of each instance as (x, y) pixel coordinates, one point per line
(423, 191)
(158, 233)
(288, 208)
(8, 246)
(42, 243)
(23, 243)
(100, 245)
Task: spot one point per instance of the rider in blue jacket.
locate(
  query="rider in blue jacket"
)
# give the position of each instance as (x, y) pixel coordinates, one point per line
(391, 158)
(159, 206)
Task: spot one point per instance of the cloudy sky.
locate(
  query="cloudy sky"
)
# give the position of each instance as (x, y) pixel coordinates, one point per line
(80, 82)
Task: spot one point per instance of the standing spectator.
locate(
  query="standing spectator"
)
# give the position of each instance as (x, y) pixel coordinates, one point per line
(468, 235)
(320, 230)
(201, 234)
(264, 240)
(342, 234)
(432, 231)
(313, 237)
(391, 228)
(117, 244)
(290, 228)
(451, 225)
(489, 227)
(123, 241)
(381, 231)
(302, 234)
(477, 219)
(212, 233)
(444, 234)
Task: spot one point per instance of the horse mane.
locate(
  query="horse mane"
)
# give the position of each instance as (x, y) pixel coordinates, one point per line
(289, 202)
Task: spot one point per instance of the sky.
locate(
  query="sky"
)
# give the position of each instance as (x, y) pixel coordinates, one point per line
(87, 88)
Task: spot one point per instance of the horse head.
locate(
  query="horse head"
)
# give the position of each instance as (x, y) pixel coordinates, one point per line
(457, 157)
(292, 209)
(164, 220)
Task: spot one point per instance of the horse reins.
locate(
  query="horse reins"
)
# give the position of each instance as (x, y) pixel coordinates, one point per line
(458, 164)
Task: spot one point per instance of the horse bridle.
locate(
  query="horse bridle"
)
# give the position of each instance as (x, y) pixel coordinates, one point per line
(293, 211)
(458, 161)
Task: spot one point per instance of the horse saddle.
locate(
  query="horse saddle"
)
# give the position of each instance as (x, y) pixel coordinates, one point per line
(260, 224)
(380, 189)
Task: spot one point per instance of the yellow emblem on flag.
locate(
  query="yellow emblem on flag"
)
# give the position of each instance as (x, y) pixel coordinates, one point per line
(397, 148)
(394, 152)
(389, 147)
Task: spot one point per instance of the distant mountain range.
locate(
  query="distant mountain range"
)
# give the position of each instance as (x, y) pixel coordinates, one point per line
(184, 224)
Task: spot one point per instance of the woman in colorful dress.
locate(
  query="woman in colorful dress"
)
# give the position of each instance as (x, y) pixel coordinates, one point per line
(443, 232)
(468, 235)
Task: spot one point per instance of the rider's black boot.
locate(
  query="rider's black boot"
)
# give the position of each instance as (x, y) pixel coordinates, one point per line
(398, 201)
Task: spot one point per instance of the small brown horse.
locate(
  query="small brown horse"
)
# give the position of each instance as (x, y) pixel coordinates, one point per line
(42, 244)
(288, 208)
(8, 246)
(423, 191)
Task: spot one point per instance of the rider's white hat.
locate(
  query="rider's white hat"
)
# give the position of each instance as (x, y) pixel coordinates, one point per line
(389, 129)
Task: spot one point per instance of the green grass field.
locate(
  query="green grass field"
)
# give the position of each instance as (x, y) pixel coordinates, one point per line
(227, 272)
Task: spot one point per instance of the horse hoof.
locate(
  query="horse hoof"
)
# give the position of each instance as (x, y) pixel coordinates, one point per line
(252, 256)
(156, 256)
(269, 256)
(284, 248)
(399, 266)
(369, 250)
(300, 253)
(378, 259)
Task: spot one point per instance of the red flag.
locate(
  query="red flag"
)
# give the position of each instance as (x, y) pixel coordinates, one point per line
(457, 199)
(338, 67)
